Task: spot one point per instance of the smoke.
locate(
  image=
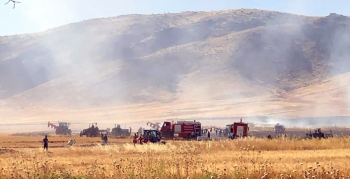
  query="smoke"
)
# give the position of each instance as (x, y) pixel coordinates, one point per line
(340, 58)
(237, 63)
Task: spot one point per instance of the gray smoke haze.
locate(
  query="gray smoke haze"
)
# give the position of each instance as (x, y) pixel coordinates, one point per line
(218, 65)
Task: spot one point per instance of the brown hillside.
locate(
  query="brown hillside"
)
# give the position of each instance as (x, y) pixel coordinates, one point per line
(184, 65)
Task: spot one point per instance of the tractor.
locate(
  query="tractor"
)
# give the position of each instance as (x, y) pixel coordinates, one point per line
(117, 131)
(61, 129)
(279, 129)
(153, 136)
(92, 131)
(318, 134)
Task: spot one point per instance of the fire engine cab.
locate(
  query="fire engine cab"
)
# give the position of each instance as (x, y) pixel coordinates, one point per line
(180, 129)
(239, 129)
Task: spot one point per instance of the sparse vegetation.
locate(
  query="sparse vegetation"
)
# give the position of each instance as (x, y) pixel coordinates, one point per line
(243, 158)
(206, 65)
(180, 68)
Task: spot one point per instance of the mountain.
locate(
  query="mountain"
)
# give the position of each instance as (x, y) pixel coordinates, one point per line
(189, 65)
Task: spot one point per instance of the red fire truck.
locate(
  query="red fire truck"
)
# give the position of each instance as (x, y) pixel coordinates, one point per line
(240, 129)
(180, 129)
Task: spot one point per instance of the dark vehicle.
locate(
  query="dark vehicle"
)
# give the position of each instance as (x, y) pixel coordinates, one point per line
(152, 136)
(92, 131)
(117, 131)
(318, 134)
(279, 129)
(61, 129)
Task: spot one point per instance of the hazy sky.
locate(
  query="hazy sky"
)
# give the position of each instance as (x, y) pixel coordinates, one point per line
(39, 15)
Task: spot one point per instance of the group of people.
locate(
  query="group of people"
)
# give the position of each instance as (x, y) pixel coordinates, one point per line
(219, 131)
(137, 138)
(230, 135)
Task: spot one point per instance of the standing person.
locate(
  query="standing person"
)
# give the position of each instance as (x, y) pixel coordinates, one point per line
(193, 134)
(233, 135)
(199, 138)
(105, 139)
(208, 134)
(46, 143)
(135, 139)
(140, 139)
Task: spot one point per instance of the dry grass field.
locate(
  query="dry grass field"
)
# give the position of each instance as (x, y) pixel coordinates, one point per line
(23, 157)
(213, 67)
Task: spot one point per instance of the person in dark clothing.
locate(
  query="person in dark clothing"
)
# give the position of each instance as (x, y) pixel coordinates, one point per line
(105, 139)
(46, 142)
(269, 137)
(233, 136)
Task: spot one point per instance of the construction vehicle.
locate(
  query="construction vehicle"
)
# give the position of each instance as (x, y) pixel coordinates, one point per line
(93, 131)
(240, 129)
(279, 129)
(61, 129)
(318, 134)
(117, 131)
(180, 129)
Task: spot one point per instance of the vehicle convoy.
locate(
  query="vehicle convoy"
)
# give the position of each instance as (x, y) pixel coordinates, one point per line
(117, 131)
(93, 131)
(318, 134)
(61, 129)
(180, 129)
(279, 129)
(240, 129)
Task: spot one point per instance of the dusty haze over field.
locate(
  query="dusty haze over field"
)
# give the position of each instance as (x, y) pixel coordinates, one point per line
(219, 65)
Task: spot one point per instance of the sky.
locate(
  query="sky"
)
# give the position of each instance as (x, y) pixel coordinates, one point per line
(32, 16)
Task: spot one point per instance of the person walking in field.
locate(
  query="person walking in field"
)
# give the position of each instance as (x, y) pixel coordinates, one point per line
(46, 143)
(208, 134)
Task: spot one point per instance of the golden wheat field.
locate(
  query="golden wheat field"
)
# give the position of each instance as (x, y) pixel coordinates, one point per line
(23, 157)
